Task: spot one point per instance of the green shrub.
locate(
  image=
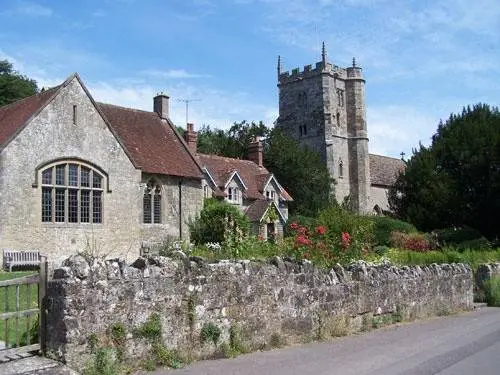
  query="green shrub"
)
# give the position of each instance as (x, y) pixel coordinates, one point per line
(383, 226)
(455, 236)
(217, 222)
(380, 250)
(210, 332)
(480, 243)
(151, 329)
(166, 357)
(492, 291)
(103, 363)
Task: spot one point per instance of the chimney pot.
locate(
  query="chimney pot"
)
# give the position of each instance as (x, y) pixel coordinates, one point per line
(160, 105)
(256, 151)
(191, 138)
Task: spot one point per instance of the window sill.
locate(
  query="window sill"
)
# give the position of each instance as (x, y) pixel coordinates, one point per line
(72, 225)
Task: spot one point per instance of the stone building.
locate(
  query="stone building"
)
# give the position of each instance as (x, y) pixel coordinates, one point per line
(247, 184)
(76, 175)
(323, 107)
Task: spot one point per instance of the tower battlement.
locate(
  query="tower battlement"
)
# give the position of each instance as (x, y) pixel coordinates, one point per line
(310, 71)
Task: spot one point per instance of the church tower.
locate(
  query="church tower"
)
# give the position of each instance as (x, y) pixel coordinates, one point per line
(323, 107)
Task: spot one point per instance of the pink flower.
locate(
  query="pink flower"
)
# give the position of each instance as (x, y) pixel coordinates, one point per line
(321, 230)
(346, 239)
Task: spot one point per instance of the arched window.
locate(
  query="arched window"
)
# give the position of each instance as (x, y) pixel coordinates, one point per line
(341, 169)
(152, 203)
(71, 193)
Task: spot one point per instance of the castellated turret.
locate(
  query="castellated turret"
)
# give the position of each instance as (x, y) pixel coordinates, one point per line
(323, 107)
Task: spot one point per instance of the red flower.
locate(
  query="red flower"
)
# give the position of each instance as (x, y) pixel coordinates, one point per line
(294, 226)
(321, 230)
(302, 240)
(346, 239)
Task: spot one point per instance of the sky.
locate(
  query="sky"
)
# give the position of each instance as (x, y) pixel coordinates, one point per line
(422, 59)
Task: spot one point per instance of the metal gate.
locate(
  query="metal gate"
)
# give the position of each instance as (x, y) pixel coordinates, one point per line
(23, 316)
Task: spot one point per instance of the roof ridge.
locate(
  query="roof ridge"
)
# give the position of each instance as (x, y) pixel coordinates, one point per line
(226, 157)
(126, 108)
(384, 156)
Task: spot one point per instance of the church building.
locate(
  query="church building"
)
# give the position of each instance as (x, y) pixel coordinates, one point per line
(323, 108)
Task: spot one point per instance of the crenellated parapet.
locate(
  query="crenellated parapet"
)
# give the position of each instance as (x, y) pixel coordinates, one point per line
(309, 71)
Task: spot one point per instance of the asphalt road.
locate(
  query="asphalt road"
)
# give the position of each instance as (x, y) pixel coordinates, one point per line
(462, 344)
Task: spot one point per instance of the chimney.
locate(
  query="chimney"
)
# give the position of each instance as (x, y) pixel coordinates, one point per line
(160, 105)
(256, 151)
(191, 138)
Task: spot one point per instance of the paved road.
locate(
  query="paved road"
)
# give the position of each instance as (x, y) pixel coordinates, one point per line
(456, 345)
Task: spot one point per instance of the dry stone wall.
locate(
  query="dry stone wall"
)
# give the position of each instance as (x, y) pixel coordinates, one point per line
(265, 301)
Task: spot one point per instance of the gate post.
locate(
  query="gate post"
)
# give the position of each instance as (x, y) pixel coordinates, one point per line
(42, 303)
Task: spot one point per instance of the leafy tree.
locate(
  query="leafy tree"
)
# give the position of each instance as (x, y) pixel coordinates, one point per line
(232, 143)
(455, 181)
(301, 172)
(14, 86)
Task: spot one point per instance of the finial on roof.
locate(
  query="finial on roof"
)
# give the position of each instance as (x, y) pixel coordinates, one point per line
(353, 62)
(323, 53)
(279, 65)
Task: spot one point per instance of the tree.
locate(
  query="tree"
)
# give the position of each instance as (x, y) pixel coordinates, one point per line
(14, 86)
(455, 181)
(301, 172)
(232, 143)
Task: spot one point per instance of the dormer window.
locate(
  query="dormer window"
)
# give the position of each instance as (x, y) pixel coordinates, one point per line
(233, 195)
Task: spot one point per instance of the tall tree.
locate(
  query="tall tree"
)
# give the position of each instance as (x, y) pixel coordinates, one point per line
(301, 172)
(14, 86)
(456, 181)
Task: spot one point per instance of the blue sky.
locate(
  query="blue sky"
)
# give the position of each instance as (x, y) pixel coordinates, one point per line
(422, 59)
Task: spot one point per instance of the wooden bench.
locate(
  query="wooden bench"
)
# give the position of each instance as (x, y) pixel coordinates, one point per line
(13, 258)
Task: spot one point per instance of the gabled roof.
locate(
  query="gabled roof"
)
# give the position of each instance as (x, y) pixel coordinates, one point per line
(14, 116)
(384, 170)
(152, 143)
(283, 193)
(231, 176)
(256, 211)
(221, 169)
(254, 177)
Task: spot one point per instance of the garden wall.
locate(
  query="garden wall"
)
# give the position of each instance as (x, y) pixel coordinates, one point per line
(266, 302)
(484, 273)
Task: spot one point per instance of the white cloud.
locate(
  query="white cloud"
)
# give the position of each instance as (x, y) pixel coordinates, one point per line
(31, 9)
(212, 107)
(395, 129)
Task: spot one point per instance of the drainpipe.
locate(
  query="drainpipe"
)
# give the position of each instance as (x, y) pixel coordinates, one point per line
(180, 209)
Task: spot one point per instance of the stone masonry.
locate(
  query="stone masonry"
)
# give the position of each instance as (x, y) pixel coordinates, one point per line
(266, 302)
(323, 107)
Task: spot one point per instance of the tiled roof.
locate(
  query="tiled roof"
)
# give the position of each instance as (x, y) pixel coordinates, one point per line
(254, 177)
(151, 142)
(221, 168)
(257, 209)
(384, 170)
(14, 116)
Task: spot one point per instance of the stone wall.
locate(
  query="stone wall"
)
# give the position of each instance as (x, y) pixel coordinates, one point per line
(266, 302)
(484, 273)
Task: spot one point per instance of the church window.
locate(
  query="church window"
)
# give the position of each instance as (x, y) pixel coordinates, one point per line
(152, 203)
(74, 114)
(68, 197)
(341, 169)
(304, 128)
(338, 119)
(340, 97)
